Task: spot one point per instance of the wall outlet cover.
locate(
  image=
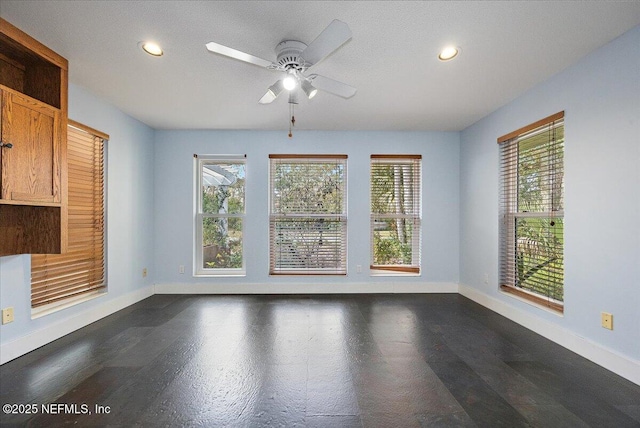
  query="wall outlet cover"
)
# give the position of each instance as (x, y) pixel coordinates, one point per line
(7, 315)
(607, 320)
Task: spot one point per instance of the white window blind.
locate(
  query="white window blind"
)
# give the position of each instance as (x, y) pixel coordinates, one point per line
(308, 214)
(55, 277)
(532, 212)
(395, 213)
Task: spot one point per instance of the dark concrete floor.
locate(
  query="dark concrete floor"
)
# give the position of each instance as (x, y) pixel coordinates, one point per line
(316, 361)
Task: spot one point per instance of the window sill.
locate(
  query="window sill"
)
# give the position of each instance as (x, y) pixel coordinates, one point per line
(394, 270)
(302, 273)
(375, 272)
(534, 300)
(51, 308)
(221, 274)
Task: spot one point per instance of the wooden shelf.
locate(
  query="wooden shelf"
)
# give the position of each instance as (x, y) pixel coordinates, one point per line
(29, 230)
(30, 203)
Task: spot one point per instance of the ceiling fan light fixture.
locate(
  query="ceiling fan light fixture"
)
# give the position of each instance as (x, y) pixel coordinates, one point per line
(151, 48)
(289, 82)
(448, 53)
(267, 98)
(309, 89)
(276, 89)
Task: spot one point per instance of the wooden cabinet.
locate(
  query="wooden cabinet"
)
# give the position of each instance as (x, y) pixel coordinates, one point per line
(30, 169)
(33, 129)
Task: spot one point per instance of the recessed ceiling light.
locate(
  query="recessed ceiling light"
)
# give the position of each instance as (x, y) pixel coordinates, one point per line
(151, 48)
(448, 53)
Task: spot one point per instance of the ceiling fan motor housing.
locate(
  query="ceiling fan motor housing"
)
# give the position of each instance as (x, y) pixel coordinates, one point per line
(294, 58)
(288, 55)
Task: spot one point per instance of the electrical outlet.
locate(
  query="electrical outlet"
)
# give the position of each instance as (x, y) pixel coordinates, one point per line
(486, 278)
(607, 320)
(359, 268)
(144, 272)
(7, 315)
(181, 269)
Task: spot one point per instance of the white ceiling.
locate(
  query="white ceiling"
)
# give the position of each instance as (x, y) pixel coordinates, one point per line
(507, 48)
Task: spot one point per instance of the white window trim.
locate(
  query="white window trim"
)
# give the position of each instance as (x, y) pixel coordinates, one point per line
(342, 216)
(51, 308)
(394, 160)
(198, 217)
(508, 218)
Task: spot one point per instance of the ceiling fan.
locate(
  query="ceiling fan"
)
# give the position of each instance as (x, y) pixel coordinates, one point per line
(294, 58)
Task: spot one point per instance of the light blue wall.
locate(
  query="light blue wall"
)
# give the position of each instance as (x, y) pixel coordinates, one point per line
(130, 218)
(175, 193)
(601, 99)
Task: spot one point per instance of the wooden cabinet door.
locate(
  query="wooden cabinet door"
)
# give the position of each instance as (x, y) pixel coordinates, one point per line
(30, 170)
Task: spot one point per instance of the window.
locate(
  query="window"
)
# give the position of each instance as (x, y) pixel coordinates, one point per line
(531, 212)
(308, 214)
(220, 214)
(56, 278)
(395, 213)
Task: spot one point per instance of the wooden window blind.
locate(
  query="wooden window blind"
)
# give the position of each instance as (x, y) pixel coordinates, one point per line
(308, 215)
(395, 213)
(55, 277)
(532, 212)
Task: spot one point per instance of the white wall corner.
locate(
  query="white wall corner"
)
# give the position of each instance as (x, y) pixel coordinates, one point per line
(622, 365)
(38, 338)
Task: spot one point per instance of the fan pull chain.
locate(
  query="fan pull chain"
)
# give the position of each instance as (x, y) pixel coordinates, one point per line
(293, 119)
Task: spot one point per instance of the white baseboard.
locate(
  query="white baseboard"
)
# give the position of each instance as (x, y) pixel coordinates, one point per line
(38, 338)
(297, 288)
(622, 365)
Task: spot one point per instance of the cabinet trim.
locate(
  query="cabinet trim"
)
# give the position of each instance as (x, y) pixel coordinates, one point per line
(32, 44)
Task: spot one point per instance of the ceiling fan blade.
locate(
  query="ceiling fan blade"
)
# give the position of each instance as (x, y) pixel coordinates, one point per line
(242, 56)
(335, 35)
(332, 86)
